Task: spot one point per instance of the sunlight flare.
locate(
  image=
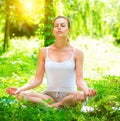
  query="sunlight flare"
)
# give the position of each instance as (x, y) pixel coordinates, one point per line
(29, 4)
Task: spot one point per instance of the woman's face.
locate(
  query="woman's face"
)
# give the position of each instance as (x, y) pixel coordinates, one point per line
(61, 28)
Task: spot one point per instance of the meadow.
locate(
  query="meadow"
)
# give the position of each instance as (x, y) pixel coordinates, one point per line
(101, 71)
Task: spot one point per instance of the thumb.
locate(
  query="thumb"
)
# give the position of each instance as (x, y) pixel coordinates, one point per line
(17, 91)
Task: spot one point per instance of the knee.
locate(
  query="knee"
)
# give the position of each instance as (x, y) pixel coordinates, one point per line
(79, 97)
(73, 98)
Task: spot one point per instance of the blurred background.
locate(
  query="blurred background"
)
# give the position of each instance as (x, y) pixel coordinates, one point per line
(26, 26)
(95, 28)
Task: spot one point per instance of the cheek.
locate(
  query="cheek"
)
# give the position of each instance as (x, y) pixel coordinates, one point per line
(53, 31)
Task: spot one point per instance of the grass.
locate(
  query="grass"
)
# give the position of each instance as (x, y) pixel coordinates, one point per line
(101, 71)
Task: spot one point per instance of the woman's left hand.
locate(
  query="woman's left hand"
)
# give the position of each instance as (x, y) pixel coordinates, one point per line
(90, 92)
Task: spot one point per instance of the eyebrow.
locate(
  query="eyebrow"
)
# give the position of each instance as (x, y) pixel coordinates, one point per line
(58, 23)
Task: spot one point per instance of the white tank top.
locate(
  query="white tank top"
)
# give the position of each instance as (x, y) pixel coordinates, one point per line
(60, 75)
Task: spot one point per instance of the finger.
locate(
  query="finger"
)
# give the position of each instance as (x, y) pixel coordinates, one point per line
(8, 90)
(11, 90)
(93, 92)
(17, 91)
(87, 93)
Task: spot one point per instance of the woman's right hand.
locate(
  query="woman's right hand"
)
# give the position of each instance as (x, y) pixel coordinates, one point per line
(13, 90)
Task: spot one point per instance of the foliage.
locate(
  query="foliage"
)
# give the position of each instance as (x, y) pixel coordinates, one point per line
(16, 111)
(24, 17)
(18, 65)
(23, 11)
(100, 56)
(48, 22)
(2, 23)
(2, 17)
(93, 18)
(103, 103)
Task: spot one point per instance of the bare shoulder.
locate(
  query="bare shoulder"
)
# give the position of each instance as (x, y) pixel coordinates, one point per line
(78, 53)
(42, 50)
(42, 53)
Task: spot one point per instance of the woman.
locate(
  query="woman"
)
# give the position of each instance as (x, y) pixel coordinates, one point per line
(63, 65)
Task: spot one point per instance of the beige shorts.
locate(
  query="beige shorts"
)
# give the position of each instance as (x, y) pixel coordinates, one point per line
(57, 96)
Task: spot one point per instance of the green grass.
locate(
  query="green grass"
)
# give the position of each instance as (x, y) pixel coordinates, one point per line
(101, 71)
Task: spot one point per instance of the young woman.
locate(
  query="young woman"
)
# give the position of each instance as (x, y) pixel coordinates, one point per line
(63, 65)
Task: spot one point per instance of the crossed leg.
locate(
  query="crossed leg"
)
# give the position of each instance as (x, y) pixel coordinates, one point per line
(71, 100)
(35, 97)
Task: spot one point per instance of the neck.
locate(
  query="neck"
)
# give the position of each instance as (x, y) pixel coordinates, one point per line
(61, 43)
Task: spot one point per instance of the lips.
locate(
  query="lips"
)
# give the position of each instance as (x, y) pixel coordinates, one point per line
(59, 32)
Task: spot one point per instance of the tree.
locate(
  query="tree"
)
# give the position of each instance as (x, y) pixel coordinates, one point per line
(7, 27)
(49, 15)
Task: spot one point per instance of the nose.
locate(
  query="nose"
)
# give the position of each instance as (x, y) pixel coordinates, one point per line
(59, 27)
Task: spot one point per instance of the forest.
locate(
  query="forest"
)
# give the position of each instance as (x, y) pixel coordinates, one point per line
(26, 26)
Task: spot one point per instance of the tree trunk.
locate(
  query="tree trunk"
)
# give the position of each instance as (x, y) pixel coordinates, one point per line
(48, 25)
(7, 27)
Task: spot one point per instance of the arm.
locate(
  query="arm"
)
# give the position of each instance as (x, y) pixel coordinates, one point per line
(37, 80)
(81, 84)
